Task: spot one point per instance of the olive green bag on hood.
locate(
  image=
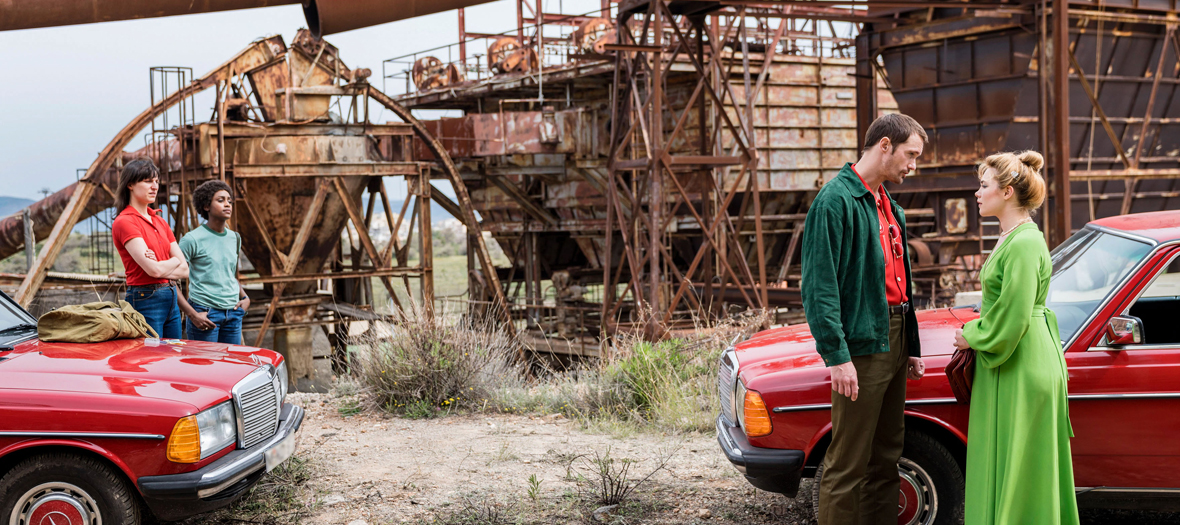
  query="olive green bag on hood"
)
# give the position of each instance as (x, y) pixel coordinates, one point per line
(93, 323)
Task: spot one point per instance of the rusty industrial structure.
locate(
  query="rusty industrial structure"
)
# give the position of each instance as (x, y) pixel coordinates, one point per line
(651, 162)
(635, 174)
(292, 137)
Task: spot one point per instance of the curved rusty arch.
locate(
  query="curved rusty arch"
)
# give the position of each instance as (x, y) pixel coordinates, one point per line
(257, 54)
(464, 198)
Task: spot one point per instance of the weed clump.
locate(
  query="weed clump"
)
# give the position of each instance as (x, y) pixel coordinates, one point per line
(420, 365)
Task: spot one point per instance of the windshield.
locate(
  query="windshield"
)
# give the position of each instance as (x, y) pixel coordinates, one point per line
(1086, 269)
(15, 323)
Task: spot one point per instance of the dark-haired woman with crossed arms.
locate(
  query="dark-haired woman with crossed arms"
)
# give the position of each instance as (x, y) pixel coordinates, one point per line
(148, 249)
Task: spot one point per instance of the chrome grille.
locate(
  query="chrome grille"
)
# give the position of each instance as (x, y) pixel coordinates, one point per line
(725, 379)
(256, 399)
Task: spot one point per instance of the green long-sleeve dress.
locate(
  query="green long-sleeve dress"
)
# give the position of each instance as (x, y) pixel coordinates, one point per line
(1019, 467)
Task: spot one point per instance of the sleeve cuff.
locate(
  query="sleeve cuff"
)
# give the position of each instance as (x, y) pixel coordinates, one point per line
(836, 357)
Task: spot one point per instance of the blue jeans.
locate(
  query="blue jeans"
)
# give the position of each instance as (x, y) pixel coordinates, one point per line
(158, 306)
(227, 325)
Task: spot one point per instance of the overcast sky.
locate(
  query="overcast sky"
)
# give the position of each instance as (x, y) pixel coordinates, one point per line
(65, 92)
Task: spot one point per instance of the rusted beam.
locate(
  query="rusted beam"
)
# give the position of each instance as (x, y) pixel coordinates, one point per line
(635, 48)
(237, 130)
(866, 88)
(358, 221)
(532, 208)
(1163, 173)
(940, 30)
(792, 245)
(310, 217)
(448, 167)
(870, 3)
(359, 169)
(656, 183)
(1130, 183)
(425, 244)
(350, 274)
(1061, 221)
(447, 204)
(1114, 139)
(54, 244)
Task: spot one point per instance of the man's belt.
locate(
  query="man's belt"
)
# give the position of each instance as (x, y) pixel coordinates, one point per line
(898, 309)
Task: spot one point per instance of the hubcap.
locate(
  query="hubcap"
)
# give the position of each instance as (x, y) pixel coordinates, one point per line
(918, 501)
(55, 503)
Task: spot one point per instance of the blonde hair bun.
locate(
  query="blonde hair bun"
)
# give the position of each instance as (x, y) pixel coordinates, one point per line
(1031, 159)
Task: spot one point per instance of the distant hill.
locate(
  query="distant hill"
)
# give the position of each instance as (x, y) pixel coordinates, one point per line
(11, 205)
(437, 213)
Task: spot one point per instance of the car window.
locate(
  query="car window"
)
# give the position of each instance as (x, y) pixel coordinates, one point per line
(1086, 269)
(1159, 305)
(12, 316)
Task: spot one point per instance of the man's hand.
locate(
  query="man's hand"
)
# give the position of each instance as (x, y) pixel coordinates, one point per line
(201, 321)
(244, 304)
(844, 380)
(916, 369)
(960, 341)
(150, 255)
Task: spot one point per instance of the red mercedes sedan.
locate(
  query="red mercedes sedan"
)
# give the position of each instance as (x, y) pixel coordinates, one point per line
(1116, 291)
(107, 432)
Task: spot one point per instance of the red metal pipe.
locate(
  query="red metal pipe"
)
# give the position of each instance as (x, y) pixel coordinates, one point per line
(326, 17)
(22, 14)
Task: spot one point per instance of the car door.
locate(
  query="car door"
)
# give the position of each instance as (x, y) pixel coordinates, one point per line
(1125, 398)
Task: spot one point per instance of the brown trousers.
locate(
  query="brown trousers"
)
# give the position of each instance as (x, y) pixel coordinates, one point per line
(860, 483)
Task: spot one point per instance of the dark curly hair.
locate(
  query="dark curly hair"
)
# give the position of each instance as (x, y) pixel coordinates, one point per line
(203, 196)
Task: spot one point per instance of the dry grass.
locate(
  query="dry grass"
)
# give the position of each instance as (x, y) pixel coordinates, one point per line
(423, 367)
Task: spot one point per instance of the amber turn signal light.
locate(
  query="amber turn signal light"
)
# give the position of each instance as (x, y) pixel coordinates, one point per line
(184, 445)
(756, 418)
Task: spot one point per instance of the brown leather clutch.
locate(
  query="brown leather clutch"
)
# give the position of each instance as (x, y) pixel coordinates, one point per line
(960, 371)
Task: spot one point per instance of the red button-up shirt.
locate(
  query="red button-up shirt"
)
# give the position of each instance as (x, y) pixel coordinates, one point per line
(155, 233)
(892, 245)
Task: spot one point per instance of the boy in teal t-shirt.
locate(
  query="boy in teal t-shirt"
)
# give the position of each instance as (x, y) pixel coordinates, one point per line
(217, 302)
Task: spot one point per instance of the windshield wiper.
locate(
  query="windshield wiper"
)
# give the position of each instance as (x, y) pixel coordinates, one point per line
(22, 327)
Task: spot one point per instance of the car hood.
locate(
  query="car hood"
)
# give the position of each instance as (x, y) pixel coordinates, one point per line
(793, 347)
(189, 371)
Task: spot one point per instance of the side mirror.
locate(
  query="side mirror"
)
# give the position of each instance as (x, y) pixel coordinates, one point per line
(1124, 331)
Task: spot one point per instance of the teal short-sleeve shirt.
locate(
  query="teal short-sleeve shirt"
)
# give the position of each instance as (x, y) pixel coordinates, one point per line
(213, 266)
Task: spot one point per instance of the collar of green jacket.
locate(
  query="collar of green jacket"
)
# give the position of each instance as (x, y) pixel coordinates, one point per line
(844, 270)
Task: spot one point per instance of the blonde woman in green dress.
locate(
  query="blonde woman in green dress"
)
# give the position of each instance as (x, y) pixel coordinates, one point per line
(1019, 467)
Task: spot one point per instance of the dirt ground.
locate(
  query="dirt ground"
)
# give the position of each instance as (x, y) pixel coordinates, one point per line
(382, 469)
(373, 468)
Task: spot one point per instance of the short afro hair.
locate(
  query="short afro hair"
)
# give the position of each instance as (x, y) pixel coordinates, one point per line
(203, 196)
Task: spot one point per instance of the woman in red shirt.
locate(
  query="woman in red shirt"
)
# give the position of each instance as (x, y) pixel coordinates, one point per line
(149, 251)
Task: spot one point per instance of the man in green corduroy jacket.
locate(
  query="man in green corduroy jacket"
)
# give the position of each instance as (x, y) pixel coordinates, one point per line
(856, 295)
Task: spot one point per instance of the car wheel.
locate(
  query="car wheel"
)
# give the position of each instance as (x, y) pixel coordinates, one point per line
(66, 489)
(931, 484)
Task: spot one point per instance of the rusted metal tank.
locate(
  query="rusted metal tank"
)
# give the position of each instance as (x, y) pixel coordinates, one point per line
(985, 82)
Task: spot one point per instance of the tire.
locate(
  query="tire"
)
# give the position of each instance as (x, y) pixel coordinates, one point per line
(932, 486)
(73, 488)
